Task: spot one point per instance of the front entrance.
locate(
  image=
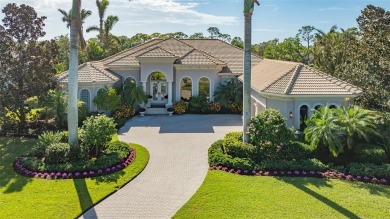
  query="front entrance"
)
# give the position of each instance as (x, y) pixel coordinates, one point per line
(158, 90)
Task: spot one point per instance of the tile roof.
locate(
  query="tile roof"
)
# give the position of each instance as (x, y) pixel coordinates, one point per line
(90, 72)
(189, 51)
(281, 77)
(157, 52)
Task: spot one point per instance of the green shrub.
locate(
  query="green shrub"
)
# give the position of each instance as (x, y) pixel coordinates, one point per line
(118, 147)
(180, 107)
(108, 99)
(44, 140)
(306, 164)
(365, 153)
(57, 153)
(235, 147)
(96, 132)
(215, 107)
(361, 169)
(294, 150)
(235, 108)
(217, 157)
(124, 112)
(198, 104)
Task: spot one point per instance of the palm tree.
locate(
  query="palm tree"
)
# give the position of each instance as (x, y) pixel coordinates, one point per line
(229, 92)
(66, 16)
(248, 10)
(102, 7)
(76, 39)
(356, 122)
(322, 130)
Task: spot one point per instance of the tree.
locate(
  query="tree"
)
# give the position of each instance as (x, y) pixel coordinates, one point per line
(197, 35)
(108, 99)
(214, 32)
(248, 10)
(322, 131)
(237, 41)
(225, 37)
(26, 63)
(260, 48)
(288, 50)
(231, 92)
(76, 38)
(356, 122)
(306, 34)
(102, 7)
(66, 16)
(139, 38)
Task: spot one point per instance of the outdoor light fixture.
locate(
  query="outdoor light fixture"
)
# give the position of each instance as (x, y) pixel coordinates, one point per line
(291, 115)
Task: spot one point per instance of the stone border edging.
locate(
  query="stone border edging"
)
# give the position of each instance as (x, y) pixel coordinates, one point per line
(50, 175)
(304, 173)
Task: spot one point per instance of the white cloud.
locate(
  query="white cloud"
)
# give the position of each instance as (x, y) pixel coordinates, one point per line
(267, 30)
(332, 9)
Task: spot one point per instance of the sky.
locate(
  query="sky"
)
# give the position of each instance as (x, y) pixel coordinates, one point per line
(272, 19)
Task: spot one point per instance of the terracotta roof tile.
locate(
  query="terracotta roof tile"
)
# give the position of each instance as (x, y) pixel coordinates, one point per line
(90, 72)
(196, 57)
(157, 52)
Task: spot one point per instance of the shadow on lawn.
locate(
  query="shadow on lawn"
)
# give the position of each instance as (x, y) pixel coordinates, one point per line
(10, 150)
(84, 198)
(300, 182)
(113, 177)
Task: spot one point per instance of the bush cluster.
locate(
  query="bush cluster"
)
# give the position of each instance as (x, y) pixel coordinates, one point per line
(180, 107)
(198, 104)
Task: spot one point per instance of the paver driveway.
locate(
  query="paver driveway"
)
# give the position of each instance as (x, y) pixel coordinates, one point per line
(177, 166)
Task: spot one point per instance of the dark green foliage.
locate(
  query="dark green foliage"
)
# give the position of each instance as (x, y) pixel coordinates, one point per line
(366, 153)
(26, 61)
(108, 99)
(229, 93)
(362, 169)
(294, 150)
(198, 104)
(45, 139)
(217, 157)
(180, 107)
(57, 153)
(306, 164)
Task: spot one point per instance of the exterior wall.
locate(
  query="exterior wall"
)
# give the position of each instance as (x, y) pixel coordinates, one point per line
(195, 75)
(129, 73)
(285, 106)
(148, 68)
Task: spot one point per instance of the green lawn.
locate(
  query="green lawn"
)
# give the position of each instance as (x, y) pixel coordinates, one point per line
(22, 197)
(226, 195)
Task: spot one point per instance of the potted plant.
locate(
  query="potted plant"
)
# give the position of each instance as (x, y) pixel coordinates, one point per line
(170, 111)
(142, 111)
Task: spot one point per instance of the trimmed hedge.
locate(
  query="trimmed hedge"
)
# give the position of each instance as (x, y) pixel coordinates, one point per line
(366, 153)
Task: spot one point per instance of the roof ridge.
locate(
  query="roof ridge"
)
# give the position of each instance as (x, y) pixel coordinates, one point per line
(276, 80)
(328, 76)
(131, 52)
(293, 78)
(208, 56)
(100, 70)
(185, 55)
(157, 47)
(89, 65)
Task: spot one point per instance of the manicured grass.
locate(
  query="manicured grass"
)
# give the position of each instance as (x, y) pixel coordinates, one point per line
(226, 195)
(23, 197)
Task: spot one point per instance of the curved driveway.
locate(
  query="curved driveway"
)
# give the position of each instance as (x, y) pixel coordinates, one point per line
(177, 166)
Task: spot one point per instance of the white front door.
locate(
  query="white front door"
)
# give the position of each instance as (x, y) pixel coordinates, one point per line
(158, 90)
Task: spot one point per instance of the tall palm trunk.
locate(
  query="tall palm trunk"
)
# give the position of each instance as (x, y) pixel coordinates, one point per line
(247, 74)
(73, 74)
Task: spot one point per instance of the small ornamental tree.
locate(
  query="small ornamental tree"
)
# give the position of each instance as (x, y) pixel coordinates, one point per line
(268, 130)
(108, 99)
(97, 132)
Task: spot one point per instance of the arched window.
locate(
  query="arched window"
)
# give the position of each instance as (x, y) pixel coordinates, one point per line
(85, 96)
(185, 88)
(317, 107)
(302, 117)
(332, 107)
(100, 92)
(204, 87)
(130, 82)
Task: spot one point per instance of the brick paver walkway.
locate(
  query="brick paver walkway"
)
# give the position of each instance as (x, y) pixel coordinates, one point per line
(177, 166)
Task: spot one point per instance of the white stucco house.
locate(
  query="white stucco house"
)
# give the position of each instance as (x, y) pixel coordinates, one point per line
(173, 69)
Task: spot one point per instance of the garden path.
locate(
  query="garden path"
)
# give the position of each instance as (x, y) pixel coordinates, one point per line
(177, 167)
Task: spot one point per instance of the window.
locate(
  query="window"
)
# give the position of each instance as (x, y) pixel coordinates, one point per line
(302, 117)
(85, 97)
(100, 92)
(317, 107)
(204, 87)
(185, 88)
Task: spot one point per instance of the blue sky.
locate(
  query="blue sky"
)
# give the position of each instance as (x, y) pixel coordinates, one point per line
(273, 19)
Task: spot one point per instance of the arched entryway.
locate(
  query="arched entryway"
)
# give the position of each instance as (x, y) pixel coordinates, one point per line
(158, 88)
(303, 113)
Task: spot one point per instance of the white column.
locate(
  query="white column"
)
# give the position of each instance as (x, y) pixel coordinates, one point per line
(144, 85)
(169, 93)
(256, 108)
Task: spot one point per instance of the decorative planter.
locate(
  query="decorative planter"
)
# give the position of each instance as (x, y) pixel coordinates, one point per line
(142, 113)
